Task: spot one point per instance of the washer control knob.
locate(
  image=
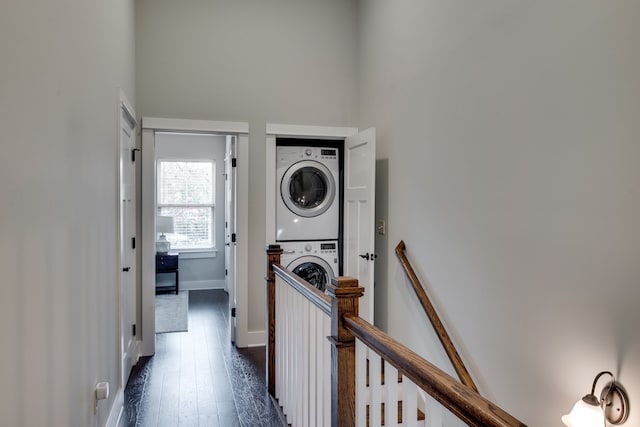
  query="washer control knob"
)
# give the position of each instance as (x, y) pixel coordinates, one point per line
(308, 152)
(307, 247)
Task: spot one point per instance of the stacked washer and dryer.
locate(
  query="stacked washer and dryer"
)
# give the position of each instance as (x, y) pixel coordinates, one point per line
(308, 209)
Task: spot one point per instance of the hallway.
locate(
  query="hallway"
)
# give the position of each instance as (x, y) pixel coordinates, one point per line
(198, 378)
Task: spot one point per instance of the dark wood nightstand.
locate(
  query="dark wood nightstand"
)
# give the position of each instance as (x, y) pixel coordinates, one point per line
(167, 263)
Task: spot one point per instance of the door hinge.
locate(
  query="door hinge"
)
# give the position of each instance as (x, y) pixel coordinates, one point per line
(233, 237)
(233, 312)
(133, 154)
(226, 272)
(234, 162)
(133, 243)
(133, 330)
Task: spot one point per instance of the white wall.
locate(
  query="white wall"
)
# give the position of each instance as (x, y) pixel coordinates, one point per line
(511, 131)
(196, 271)
(62, 64)
(283, 61)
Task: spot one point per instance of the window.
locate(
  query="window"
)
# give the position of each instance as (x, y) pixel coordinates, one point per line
(186, 192)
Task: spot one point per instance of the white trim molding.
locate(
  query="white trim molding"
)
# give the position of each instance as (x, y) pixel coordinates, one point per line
(256, 338)
(197, 254)
(115, 414)
(148, 243)
(186, 125)
(195, 285)
(271, 194)
(327, 132)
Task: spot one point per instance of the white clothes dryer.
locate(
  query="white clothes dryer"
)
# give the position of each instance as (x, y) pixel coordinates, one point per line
(308, 193)
(316, 262)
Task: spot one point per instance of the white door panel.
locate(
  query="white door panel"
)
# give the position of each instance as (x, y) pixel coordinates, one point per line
(230, 230)
(128, 302)
(359, 206)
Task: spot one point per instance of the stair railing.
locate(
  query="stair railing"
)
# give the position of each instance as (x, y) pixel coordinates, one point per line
(298, 352)
(307, 329)
(437, 324)
(464, 402)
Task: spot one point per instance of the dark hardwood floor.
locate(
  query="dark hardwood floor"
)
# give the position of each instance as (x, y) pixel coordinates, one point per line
(198, 378)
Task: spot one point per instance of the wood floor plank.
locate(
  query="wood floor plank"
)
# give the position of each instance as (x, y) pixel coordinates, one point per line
(198, 378)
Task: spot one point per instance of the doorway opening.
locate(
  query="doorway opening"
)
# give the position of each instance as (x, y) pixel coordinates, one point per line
(193, 218)
(193, 222)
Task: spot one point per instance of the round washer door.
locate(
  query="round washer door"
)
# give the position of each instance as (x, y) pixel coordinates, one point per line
(308, 188)
(314, 270)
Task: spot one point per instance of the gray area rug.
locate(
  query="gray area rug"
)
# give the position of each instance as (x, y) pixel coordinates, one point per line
(172, 312)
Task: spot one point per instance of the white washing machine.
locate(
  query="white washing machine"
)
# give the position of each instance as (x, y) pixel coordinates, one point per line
(308, 194)
(316, 262)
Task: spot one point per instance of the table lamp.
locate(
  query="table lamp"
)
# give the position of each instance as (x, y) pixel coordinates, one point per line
(164, 224)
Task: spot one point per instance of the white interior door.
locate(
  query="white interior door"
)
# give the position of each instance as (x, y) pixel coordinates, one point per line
(359, 214)
(127, 243)
(230, 230)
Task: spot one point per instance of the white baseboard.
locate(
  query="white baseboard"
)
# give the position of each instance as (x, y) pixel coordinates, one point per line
(116, 409)
(193, 285)
(256, 338)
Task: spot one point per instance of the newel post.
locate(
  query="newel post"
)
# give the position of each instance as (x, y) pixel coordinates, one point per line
(344, 293)
(273, 257)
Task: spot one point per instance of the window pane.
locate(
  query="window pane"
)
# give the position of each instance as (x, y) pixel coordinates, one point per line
(192, 227)
(185, 182)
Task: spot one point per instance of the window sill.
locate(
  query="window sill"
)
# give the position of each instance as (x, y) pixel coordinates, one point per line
(196, 253)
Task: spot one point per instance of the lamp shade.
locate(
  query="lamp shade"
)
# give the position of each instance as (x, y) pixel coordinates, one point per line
(164, 224)
(584, 414)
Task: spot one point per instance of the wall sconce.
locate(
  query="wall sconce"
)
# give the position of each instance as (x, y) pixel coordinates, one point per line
(613, 406)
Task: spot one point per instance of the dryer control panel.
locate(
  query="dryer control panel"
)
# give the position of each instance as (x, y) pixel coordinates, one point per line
(292, 154)
(328, 248)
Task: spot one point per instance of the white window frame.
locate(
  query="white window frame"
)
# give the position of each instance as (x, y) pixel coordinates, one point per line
(211, 205)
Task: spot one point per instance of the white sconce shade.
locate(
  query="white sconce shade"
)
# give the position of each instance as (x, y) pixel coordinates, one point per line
(584, 415)
(612, 406)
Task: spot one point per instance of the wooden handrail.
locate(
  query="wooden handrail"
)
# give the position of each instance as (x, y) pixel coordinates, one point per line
(310, 292)
(461, 400)
(448, 345)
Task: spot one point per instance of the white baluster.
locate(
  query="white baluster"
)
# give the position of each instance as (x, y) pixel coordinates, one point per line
(327, 371)
(289, 358)
(297, 410)
(409, 403)
(305, 307)
(375, 383)
(285, 349)
(313, 349)
(390, 395)
(361, 384)
(433, 411)
(280, 324)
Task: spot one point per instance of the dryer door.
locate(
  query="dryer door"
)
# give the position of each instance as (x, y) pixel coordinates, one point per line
(314, 270)
(308, 188)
